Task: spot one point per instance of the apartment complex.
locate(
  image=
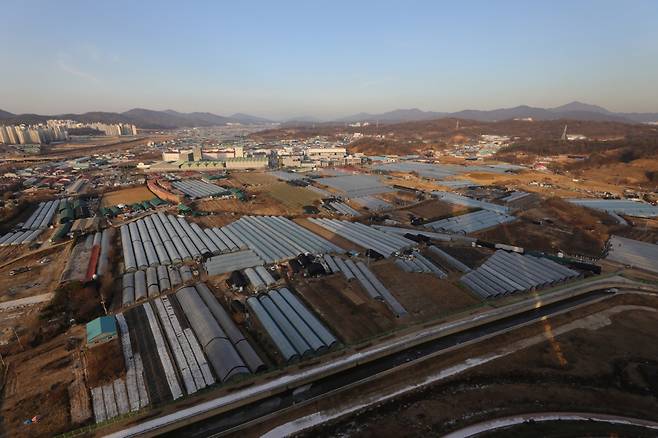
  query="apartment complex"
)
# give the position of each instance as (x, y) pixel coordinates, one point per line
(33, 134)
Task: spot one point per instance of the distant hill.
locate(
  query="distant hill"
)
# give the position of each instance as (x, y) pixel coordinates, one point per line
(247, 119)
(395, 116)
(170, 119)
(570, 111)
(142, 118)
(580, 107)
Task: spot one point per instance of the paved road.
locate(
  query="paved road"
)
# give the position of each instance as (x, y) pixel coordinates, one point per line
(224, 422)
(499, 423)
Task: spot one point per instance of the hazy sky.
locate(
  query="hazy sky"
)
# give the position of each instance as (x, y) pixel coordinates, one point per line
(326, 58)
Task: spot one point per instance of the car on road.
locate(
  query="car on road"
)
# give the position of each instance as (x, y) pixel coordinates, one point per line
(19, 270)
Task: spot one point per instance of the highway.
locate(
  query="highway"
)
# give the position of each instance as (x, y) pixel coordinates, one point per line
(217, 425)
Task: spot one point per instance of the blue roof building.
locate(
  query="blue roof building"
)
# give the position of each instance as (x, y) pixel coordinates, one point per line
(101, 329)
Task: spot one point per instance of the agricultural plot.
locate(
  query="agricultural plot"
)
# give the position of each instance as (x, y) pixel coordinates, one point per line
(633, 253)
(465, 201)
(426, 170)
(355, 186)
(275, 239)
(430, 210)
(289, 324)
(292, 197)
(329, 235)
(38, 221)
(468, 256)
(127, 196)
(161, 239)
(48, 396)
(261, 203)
(506, 273)
(195, 188)
(471, 222)
(365, 236)
(346, 308)
(373, 286)
(253, 178)
(343, 209)
(619, 206)
(372, 203)
(174, 345)
(288, 176)
(425, 296)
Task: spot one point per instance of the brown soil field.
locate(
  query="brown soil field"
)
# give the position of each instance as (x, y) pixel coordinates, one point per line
(435, 210)
(253, 178)
(330, 297)
(607, 370)
(424, 296)
(399, 198)
(470, 256)
(294, 198)
(127, 196)
(328, 235)
(104, 363)
(623, 175)
(570, 228)
(37, 384)
(645, 230)
(562, 185)
(39, 280)
(262, 204)
(8, 253)
(214, 220)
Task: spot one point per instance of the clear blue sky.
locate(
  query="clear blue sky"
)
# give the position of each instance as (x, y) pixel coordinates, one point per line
(326, 58)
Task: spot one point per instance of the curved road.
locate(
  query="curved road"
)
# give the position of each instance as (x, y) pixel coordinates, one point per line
(499, 423)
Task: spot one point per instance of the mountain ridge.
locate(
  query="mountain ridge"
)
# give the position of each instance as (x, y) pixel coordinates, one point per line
(171, 119)
(572, 110)
(141, 117)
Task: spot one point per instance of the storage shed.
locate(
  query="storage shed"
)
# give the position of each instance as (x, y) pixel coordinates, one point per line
(100, 330)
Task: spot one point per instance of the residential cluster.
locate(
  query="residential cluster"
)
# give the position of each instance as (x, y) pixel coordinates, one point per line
(32, 134)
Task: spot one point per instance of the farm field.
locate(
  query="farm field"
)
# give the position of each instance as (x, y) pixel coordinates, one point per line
(346, 308)
(41, 279)
(291, 196)
(261, 204)
(253, 178)
(424, 296)
(49, 396)
(127, 196)
(435, 209)
(565, 227)
(330, 236)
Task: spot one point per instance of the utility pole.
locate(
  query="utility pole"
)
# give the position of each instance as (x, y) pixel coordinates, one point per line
(18, 339)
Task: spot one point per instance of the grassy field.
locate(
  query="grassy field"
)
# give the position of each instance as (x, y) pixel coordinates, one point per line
(127, 196)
